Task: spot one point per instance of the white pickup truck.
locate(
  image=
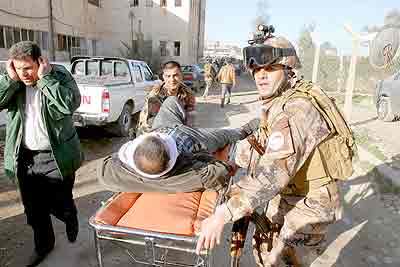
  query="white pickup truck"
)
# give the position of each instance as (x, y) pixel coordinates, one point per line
(112, 90)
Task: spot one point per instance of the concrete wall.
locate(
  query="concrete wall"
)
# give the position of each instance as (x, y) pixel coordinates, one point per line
(110, 25)
(171, 24)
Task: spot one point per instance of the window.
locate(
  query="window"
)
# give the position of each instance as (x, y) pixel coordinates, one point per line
(9, 36)
(61, 42)
(178, 2)
(121, 70)
(140, 25)
(24, 34)
(177, 48)
(137, 73)
(79, 68)
(2, 43)
(31, 35)
(45, 40)
(93, 68)
(106, 68)
(134, 3)
(163, 48)
(147, 73)
(17, 35)
(149, 3)
(94, 2)
(163, 3)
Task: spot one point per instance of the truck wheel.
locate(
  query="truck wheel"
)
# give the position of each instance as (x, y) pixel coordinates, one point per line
(125, 121)
(384, 110)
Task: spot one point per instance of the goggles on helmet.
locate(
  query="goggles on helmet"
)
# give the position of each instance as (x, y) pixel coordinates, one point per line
(260, 55)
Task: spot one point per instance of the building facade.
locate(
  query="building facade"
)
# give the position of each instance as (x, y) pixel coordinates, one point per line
(169, 29)
(222, 49)
(153, 29)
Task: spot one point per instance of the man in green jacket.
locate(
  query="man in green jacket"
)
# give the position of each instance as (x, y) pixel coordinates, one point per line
(42, 147)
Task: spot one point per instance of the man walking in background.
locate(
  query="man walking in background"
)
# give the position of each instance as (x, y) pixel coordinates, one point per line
(42, 147)
(227, 79)
(209, 76)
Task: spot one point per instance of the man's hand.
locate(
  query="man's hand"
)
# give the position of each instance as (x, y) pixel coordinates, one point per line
(211, 231)
(44, 67)
(11, 70)
(233, 168)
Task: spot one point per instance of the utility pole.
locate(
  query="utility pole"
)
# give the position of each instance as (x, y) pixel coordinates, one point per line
(357, 39)
(52, 55)
(317, 43)
(132, 17)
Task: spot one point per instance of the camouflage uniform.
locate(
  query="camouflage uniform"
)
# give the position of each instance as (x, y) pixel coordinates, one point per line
(153, 104)
(302, 199)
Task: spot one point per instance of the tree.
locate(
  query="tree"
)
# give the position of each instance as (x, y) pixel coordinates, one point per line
(306, 50)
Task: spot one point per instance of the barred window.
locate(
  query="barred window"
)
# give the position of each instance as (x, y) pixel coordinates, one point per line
(177, 48)
(149, 3)
(163, 48)
(2, 41)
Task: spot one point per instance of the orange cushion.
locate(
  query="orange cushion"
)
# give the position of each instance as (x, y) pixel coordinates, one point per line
(165, 213)
(115, 209)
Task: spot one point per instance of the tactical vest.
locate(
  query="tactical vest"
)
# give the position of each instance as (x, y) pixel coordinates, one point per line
(332, 158)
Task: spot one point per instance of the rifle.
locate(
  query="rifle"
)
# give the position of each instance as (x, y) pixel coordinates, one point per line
(264, 227)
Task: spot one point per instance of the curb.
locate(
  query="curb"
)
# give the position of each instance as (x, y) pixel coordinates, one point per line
(381, 167)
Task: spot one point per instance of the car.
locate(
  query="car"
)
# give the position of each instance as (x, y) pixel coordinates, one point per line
(2, 66)
(387, 98)
(112, 90)
(193, 77)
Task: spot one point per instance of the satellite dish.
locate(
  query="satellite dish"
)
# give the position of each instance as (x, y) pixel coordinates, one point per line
(384, 51)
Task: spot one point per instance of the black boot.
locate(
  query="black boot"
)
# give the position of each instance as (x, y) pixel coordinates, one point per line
(72, 227)
(36, 258)
(249, 127)
(222, 103)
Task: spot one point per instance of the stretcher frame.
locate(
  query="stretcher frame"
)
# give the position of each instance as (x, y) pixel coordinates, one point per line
(156, 245)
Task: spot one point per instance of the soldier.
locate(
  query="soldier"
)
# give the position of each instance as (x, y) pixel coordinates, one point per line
(209, 76)
(293, 164)
(172, 86)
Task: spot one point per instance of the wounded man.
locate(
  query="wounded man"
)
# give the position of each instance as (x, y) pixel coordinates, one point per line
(173, 157)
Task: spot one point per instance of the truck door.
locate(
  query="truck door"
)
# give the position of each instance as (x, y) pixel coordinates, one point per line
(140, 85)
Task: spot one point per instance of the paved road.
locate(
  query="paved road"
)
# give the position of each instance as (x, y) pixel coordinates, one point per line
(368, 234)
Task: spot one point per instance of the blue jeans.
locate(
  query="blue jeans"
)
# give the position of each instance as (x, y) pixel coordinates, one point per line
(226, 90)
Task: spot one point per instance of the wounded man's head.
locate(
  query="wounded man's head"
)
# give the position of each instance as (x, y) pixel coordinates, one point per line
(151, 155)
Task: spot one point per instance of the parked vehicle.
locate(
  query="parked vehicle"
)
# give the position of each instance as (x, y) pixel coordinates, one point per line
(193, 77)
(2, 66)
(387, 98)
(112, 90)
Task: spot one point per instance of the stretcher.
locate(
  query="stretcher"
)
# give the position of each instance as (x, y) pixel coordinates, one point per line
(164, 225)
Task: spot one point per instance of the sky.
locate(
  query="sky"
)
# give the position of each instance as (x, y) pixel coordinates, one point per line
(231, 20)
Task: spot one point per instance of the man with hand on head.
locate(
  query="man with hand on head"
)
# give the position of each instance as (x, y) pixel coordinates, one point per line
(42, 147)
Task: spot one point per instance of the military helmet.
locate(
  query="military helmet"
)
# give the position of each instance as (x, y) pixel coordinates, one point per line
(267, 49)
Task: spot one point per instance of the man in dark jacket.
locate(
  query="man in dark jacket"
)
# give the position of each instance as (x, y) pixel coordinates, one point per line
(42, 147)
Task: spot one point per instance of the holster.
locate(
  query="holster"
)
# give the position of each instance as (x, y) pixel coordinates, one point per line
(256, 145)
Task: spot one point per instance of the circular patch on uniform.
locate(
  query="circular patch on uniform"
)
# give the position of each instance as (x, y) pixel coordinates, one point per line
(276, 141)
